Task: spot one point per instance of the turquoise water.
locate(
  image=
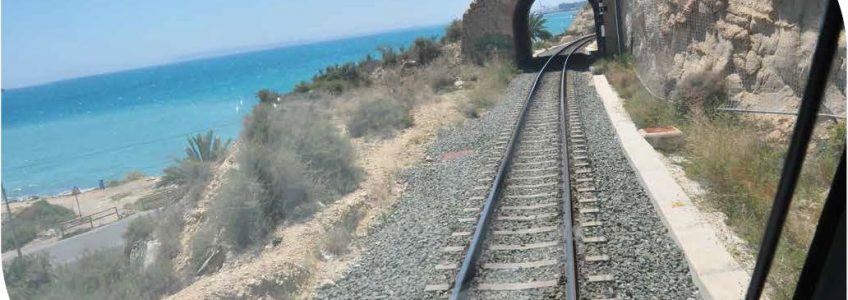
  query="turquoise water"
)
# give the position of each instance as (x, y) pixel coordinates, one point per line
(75, 132)
(558, 22)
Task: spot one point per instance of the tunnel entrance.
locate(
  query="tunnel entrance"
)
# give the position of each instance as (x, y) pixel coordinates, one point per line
(523, 38)
(508, 22)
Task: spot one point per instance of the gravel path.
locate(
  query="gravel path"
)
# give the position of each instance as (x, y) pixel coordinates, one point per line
(645, 261)
(400, 254)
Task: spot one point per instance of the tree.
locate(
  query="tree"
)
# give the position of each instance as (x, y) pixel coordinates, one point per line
(267, 96)
(453, 33)
(206, 148)
(537, 27)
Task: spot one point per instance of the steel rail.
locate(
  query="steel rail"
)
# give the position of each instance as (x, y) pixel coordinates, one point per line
(468, 269)
(568, 229)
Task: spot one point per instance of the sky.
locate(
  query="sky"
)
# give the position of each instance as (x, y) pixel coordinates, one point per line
(49, 40)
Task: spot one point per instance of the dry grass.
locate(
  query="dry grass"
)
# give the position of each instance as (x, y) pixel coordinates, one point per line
(340, 234)
(492, 80)
(737, 164)
(378, 117)
(130, 177)
(645, 110)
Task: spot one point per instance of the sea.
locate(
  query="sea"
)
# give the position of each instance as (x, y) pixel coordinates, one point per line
(558, 22)
(78, 131)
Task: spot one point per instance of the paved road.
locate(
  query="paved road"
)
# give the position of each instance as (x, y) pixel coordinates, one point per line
(70, 249)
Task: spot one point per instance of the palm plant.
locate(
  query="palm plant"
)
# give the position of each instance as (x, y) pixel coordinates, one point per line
(206, 148)
(537, 27)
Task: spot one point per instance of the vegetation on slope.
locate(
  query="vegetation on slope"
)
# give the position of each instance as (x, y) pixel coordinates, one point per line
(120, 273)
(130, 177)
(295, 155)
(30, 221)
(736, 161)
(96, 275)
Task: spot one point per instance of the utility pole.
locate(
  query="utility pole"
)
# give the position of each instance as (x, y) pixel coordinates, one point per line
(76, 191)
(9, 209)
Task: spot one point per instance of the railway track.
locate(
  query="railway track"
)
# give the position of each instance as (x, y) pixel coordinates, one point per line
(516, 240)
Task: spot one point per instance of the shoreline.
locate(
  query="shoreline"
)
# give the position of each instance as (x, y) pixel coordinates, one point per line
(95, 199)
(34, 185)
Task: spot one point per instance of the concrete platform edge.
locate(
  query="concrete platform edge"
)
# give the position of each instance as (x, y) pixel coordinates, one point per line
(713, 269)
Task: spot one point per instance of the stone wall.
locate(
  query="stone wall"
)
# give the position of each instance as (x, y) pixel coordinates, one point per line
(487, 18)
(762, 47)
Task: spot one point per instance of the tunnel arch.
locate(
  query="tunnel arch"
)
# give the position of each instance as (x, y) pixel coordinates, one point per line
(508, 21)
(522, 41)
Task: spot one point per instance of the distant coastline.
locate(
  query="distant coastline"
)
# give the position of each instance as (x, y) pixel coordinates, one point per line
(562, 7)
(221, 53)
(110, 124)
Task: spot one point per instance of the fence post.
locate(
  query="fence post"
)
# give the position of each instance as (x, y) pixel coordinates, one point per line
(14, 230)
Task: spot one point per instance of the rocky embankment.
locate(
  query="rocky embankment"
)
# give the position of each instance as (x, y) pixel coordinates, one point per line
(762, 48)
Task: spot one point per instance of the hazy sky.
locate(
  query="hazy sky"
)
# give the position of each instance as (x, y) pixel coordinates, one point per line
(48, 40)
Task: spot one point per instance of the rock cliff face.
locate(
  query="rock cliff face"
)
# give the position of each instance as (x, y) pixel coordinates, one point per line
(583, 23)
(762, 47)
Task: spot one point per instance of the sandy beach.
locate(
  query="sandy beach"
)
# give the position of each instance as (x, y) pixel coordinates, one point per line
(96, 200)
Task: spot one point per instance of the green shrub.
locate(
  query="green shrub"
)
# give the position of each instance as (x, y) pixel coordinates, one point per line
(130, 177)
(206, 148)
(25, 276)
(237, 211)
(736, 162)
(440, 75)
(169, 231)
(341, 233)
(453, 33)
(441, 82)
(336, 79)
(378, 117)
(290, 159)
(327, 155)
(699, 94)
(647, 112)
(202, 244)
(138, 231)
(492, 81)
(191, 174)
(600, 66)
(425, 50)
(389, 56)
(276, 179)
(190, 177)
(28, 222)
(108, 274)
(491, 47)
(268, 96)
(23, 234)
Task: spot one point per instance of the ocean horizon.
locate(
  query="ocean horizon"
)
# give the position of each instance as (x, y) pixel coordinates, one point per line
(75, 132)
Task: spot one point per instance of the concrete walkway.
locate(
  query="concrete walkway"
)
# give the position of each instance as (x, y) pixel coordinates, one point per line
(714, 270)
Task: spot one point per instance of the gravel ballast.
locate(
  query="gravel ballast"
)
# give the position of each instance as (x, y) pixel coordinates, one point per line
(399, 255)
(644, 260)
